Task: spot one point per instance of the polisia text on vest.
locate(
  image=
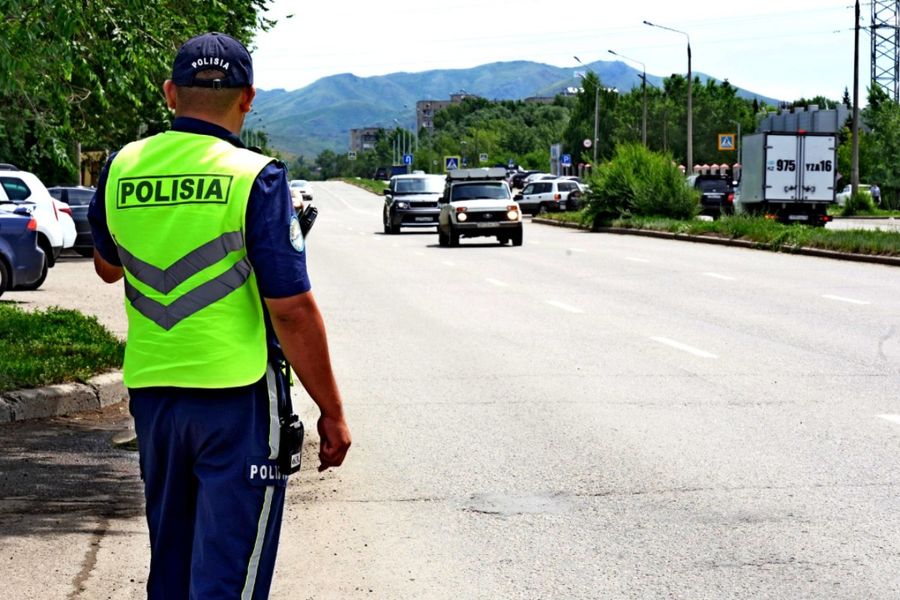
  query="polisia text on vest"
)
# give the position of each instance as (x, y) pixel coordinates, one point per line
(173, 189)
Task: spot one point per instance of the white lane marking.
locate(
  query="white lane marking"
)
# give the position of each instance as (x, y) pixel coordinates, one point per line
(449, 263)
(683, 347)
(722, 277)
(566, 307)
(496, 282)
(635, 259)
(848, 300)
(895, 419)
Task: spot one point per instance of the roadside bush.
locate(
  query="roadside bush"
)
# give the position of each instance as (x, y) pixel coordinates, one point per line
(640, 183)
(858, 203)
(53, 346)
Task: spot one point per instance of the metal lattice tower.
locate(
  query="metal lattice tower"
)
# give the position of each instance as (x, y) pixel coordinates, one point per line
(886, 47)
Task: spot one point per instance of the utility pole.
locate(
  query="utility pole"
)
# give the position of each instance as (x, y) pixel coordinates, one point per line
(854, 175)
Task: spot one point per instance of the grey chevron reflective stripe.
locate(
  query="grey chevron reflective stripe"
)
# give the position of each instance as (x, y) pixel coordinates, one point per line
(195, 300)
(166, 280)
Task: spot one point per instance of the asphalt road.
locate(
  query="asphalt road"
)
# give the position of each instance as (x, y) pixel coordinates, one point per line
(587, 416)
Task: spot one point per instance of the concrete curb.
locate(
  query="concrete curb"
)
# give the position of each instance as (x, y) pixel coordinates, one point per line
(99, 392)
(892, 261)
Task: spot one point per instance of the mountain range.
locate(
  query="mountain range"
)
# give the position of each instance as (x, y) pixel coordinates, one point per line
(319, 116)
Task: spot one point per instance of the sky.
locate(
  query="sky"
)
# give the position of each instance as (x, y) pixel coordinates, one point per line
(785, 50)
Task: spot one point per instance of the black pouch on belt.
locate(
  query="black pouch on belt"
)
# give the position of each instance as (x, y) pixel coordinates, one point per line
(291, 435)
(291, 445)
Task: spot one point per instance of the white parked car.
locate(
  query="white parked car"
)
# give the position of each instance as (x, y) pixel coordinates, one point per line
(478, 203)
(21, 188)
(845, 193)
(64, 212)
(550, 195)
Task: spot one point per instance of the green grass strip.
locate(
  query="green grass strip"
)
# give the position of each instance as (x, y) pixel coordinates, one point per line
(53, 346)
(763, 232)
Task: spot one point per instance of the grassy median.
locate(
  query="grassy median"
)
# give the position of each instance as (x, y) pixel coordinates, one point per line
(763, 232)
(53, 346)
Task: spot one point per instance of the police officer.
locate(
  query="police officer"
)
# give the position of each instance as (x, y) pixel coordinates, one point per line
(217, 295)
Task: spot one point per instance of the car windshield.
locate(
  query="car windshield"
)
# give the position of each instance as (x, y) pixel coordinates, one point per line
(299, 183)
(430, 185)
(484, 190)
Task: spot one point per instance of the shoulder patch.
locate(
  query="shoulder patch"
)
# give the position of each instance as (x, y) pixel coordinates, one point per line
(296, 235)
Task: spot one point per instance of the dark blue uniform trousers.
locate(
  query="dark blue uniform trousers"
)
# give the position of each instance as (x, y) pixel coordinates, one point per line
(214, 495)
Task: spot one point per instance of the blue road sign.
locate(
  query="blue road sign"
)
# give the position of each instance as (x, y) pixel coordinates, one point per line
(566, 160)
(451, 163)
(407, 159)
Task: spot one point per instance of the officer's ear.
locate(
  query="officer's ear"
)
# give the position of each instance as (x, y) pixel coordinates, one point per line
(247, 96)
(169, 90)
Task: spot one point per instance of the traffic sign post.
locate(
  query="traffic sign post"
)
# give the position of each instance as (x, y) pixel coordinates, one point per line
(351, 155)
(407, 159)
(451, 163)
(483, 157)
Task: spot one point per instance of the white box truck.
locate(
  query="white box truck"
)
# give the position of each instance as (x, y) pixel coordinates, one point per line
(789, 177)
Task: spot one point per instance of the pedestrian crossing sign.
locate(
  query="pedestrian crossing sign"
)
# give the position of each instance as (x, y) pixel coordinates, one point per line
(451, 163)
(726, 141)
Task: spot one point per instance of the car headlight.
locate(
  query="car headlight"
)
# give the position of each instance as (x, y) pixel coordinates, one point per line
(403, 205)
(512, 213)
(461, 217)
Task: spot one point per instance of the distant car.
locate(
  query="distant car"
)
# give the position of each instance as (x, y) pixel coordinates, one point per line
(301, 193)
(21, 188)
(716, 194)
(517, 181)
(22, 262)
(581, 184)
(79, 199)
(845, 193)
(412, 201)
(478, 203)
(551, 195)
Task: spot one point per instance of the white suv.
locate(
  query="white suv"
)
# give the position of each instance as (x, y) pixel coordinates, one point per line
(478, 203)
(21, 188)
(549, 195)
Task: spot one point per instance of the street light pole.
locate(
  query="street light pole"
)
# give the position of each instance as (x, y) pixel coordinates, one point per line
(643, 95)
(596, 110)
(690, 101)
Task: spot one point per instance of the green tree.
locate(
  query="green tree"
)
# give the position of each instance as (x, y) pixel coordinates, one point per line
(74, 72)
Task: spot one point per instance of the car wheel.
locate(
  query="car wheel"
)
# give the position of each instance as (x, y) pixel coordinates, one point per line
(384, 222)
(454, 238)
(395, 229)
(4, 277)
(517, 237)
(542, 210)
(39, 281)
(443, 239)
(85, 252)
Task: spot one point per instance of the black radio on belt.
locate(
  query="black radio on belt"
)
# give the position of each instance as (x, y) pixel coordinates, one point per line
(291, 445)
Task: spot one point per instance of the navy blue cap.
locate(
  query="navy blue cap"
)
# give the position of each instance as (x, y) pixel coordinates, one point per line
(215, 51)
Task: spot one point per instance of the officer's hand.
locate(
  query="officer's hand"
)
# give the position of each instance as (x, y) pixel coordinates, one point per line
(334, 436)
